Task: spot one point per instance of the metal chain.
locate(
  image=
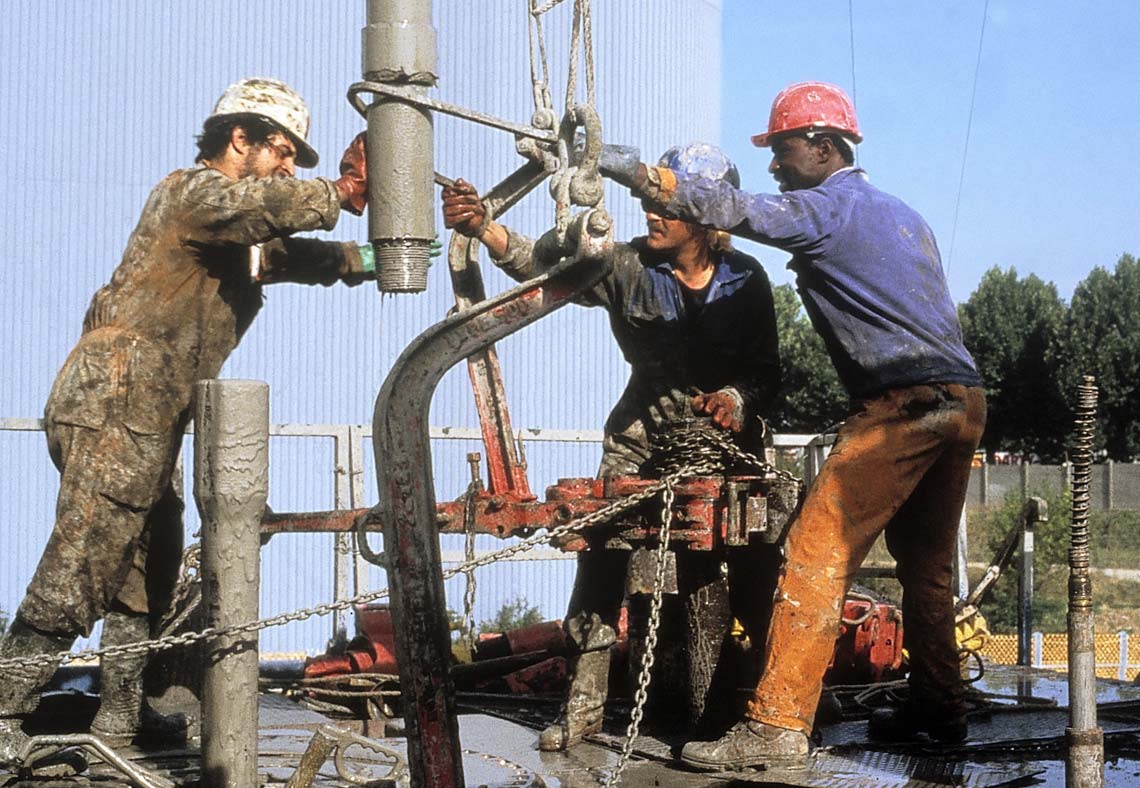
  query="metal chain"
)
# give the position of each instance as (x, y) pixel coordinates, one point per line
(187, 593)
(144, 647)
(705, 464)
(648, 655)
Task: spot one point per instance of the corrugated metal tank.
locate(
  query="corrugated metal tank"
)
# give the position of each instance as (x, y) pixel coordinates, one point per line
(102, 99)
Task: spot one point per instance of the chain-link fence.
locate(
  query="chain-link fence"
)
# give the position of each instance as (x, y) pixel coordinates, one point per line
(1051, 651)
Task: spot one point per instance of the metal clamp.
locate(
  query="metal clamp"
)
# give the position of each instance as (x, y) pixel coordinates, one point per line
(39, 747)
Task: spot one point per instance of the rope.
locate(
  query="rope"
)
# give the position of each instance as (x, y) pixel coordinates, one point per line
(966, 146)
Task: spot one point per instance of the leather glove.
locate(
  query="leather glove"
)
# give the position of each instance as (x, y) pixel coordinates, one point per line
(352, 185)
(463, 211)
(726, 409)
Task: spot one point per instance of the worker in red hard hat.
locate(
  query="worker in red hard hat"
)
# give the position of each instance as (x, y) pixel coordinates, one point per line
(695, 319)
(870, 276)
(188, 286)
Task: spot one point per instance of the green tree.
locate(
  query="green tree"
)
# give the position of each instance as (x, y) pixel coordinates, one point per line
(1104, 341)
(811, 397)
(1014, 327)
(512, 615)
(1050, 563)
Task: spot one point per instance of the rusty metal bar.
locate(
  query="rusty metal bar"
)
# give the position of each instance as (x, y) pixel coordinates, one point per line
(231, 487)
(407, 507)
(505, 473)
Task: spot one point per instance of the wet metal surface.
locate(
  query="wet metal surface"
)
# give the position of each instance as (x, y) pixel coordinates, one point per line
(1013, 744)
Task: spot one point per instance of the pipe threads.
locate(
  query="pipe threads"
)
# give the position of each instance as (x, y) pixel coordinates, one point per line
(402, 265)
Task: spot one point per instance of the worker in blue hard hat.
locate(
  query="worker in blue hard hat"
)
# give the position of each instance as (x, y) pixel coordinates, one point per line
(870, 275)
(696, 322)
(189, 284)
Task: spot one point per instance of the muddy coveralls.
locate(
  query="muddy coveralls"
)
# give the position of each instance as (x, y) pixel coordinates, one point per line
(676, 342)
(188, 287)
(870, 276)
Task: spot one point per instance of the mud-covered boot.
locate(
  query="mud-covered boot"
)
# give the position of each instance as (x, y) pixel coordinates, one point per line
(124, 717)
(589, 684)
(20, 687)
(748, 744)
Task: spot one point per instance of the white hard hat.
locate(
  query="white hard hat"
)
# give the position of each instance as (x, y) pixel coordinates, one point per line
(275, 101)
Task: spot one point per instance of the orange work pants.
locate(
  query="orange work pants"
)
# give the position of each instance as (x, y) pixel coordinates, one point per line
(901, 463)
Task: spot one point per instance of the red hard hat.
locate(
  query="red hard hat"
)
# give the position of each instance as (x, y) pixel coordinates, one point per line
(810, 105)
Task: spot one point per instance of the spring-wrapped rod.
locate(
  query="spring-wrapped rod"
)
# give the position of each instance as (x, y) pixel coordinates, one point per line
(1080, 585)
(1084, 767)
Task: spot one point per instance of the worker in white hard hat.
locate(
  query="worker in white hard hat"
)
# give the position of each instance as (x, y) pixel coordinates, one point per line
(188, 286)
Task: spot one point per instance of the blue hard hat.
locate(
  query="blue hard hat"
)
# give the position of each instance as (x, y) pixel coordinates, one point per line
(701, 160)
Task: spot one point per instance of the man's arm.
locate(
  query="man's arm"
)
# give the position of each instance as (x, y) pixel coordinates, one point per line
(311, 261)
(250, 211)
(519, 256)
(798, 221)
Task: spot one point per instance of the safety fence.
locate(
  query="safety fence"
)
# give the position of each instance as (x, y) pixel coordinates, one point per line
(1050, 650)
(1113, 486)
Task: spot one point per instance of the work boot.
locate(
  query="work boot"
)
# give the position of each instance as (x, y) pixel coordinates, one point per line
(20, 687)
(589, 683)
(585, 703)
(909, 723)
(748, 744)
(124, 717)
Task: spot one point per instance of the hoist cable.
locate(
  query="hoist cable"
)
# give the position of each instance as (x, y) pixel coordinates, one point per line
(854, 89)
(966, 146)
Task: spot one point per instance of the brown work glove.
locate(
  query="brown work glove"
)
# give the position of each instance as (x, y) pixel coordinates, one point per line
(352, 185)
(726, 410)
(463, 211)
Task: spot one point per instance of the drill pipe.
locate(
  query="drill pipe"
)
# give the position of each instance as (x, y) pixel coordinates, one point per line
(1084, 767)
(399, 49)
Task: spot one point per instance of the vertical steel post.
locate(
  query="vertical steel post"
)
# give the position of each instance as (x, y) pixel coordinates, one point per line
(342, 542)
(1084, 767)
(231, 487)
(399, 49)
(1034, 511)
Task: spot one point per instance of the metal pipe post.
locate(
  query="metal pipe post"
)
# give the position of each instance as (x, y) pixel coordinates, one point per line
(1084, 767)
(1035, 511)
(399, 49)
(231, 487)
(407, 507)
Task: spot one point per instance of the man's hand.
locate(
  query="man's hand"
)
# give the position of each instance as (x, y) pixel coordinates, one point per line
(352, 185)
(727, 410)
(463, 211)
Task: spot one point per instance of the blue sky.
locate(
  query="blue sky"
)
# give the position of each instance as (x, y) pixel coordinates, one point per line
(1048, 171)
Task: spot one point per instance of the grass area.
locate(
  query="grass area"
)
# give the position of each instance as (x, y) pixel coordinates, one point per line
(1114, 544)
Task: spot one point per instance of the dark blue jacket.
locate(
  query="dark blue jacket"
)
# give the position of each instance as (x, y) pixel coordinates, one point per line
(868, 271)
(730, 342)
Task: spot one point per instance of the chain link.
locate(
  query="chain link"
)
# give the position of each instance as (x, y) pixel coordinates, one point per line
(648, 656)
(144, 647)
(705, 463)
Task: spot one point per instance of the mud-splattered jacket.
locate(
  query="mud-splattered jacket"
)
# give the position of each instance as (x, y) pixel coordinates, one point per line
(188, 287)
(728, 343)
(868, 271)
(190, 281)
